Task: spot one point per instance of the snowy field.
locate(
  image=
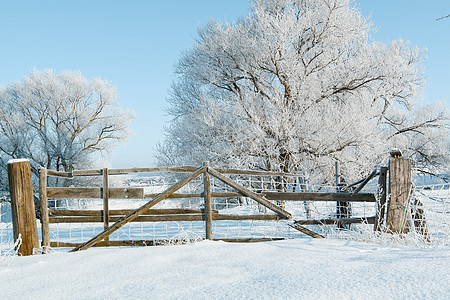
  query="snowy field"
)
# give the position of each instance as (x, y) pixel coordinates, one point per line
(290, 269)
(356, 264)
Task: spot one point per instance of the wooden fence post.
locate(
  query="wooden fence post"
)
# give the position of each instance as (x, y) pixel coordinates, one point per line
(343, 209)
(399, 188)
(105, 195)
(22, 205)
(44, 210)
(381, 207)
(207, 195)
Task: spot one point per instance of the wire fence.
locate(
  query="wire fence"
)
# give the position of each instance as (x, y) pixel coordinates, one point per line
(430, 203)
(6, 230)
(430, 212)
(235, 229)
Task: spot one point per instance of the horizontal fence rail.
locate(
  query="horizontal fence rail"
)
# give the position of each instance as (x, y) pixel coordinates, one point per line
(94, 193)
(183, 169)
(138, 193)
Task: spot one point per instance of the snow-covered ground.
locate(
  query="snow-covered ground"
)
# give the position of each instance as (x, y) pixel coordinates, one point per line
(360, 265)
(289, 269)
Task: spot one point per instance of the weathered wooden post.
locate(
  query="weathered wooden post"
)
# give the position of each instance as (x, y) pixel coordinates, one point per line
(343, 209)
(399, 188)
(207, 196)
(381, 207)
(105, 195)
(44, 210)
(22, 205)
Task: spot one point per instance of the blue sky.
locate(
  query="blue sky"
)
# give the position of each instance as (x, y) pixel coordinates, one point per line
(135, 44)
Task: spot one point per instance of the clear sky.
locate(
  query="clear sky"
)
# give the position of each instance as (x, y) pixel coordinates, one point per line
(136, 43)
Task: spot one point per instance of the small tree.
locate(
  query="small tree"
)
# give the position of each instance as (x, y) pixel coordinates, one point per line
(295, 86)
(59, 120)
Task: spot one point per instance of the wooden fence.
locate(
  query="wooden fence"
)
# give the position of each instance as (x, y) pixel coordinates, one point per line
(118, 218)
(115, 219)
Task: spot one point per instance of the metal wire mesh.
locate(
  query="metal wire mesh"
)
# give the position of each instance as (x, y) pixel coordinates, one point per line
(430, 213)
(238, 205)
(6, 230)
(429, 207)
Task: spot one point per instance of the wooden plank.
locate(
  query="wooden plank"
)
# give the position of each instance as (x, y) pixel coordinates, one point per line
(307, 231)
(400, 188)
(87, 173)
(207, 197)
(363, 184)
(123, 212)
(249, 240)
(126, 193)
(226, 195)
(22, 206)
(73, 193)
(181, 169)
(59, 174)
(281, 212)
(198, 195)
(334, 221)
(141, 218)
(159, 242)
(352, 184)
(255, 173)
(123, 243)
(163, 218)
(382, 197)
(344, 197)
(220, 217)
(93, 193)
(45, 230)
(105, 194)
(122, 193)
(135, 214)
(286, 196)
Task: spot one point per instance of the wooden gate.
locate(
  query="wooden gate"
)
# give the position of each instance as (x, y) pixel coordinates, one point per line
(114, 219)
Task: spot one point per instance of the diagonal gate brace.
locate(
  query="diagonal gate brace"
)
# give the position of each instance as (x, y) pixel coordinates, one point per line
(307, 231)
(246, 192)
(136, 213)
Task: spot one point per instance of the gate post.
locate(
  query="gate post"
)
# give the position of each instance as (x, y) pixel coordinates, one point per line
(343, 209)
(44, 210)
(399, 188)
(381, 205)
(207, 196)
(22, 205)
(105, 195)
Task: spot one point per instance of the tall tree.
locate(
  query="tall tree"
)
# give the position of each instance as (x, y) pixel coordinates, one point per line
(296, 85)
(59, 120)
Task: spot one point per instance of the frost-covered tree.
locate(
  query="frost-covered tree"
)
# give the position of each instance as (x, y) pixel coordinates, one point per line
(58, 120)
(296, 85)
